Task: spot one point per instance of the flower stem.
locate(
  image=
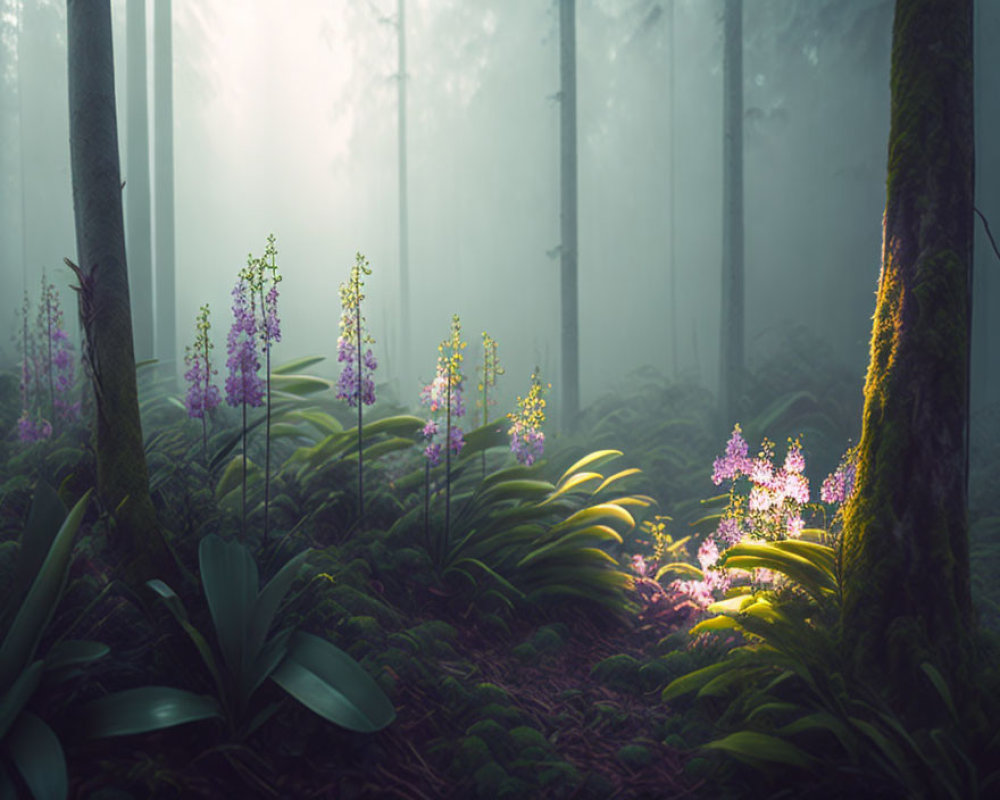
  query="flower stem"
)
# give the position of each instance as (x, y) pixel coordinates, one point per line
(243, 517)
(361, 460)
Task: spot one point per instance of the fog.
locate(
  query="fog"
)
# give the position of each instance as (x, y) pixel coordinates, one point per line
(285, 122)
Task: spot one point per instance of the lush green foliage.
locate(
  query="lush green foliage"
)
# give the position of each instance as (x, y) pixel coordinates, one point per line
(313, 671)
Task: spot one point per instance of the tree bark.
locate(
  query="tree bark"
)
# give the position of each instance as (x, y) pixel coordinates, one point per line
(732, 327)
(138, 238)
(163, 116)
(403, 358)
(907, 595)
(122, 482)
(570, 389)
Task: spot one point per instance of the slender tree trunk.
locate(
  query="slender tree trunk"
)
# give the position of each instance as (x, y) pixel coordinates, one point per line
(570, 389)
(404, 229)
(21, 143)
(138, 240)
(672, 23)
(163, 117)
(122, 481)
(732, 328)
(905, 544)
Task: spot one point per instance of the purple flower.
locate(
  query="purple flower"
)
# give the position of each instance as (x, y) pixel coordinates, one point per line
(30, 431)
(526, 443)
(243, 384)
(433, 453)
(735, 461)
(430, 429)
(728, 533)
(838, 486)
(795, 462)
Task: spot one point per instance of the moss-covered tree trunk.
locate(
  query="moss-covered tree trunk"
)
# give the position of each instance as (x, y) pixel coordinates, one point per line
(906, 551)
(122, 480)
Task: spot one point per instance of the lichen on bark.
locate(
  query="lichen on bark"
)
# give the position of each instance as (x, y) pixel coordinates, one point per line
(905, 544)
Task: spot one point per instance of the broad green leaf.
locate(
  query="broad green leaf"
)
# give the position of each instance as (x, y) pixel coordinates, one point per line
(401, 425)
(267, 602)
(148, 708)
(13, 699)
(762, 747)
(36, 610)
(327, 681)
(229, 578)
(44, 520)
(38, 756)
(570, 543)
(71, 652)
(299, 385)
(296, 365)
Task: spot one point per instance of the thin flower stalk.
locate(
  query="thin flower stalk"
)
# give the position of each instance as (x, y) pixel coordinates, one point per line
(356, 385)
(527, 441)
(491, 370)
(263, 278)
(243, 384)
(202, 394)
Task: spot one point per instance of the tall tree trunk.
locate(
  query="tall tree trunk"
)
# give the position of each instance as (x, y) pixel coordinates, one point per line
(163, 118)
(21, 143)
(672, 133)
(122, 482)
(570, 389)
(403, 359)
(905, 544)
(732, 327)
(138, 237)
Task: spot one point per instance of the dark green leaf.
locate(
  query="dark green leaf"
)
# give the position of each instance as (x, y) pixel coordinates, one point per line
(148, 708)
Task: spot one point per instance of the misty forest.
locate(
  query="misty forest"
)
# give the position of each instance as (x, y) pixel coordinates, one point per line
(475, 399)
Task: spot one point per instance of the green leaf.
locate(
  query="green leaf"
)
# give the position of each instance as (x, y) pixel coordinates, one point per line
(44, 520)
(941, 685)
(72, 652)
(148, 708)
(401, 425)
(298, 385)
(617, 477)
(590, 458)
(761, 747)
(230, 580)
(14, 699)
(267, 602)
(38, 756)
(36, 610)
(694, 680)
(719, 623)
(589, 515)
(327, 681)
(176, 607)
(571, 483)
(232, 477)
(296, 365)
(682, 568)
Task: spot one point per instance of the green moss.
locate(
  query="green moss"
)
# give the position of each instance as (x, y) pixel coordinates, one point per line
(491, 693)
(471, 753)
(525, 652)
(360, 603)
(619, 672)
(635, 756)
(362, 627)
(523, 737)
(501, 713)
(495, 736)
(550, 638)
(558, 774)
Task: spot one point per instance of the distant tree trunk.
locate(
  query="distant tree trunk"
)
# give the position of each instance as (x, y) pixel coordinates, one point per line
(21, 143)
(122, 481)
(163, 117)
(570, 389)
(138, 238)
(907, 596)
(732, 327)
(404, 230)
(672, 23)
